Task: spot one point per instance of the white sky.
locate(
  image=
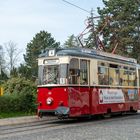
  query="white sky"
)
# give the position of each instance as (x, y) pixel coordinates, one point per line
(20, 20)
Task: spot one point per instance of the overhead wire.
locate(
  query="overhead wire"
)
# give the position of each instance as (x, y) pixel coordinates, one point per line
(76, 6)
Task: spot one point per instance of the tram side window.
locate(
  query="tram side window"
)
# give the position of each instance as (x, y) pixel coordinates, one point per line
(132, 77)
(124, 76)
(83, 72)
(102, 75)
(73, 71)
(63, 73)
(113, 75)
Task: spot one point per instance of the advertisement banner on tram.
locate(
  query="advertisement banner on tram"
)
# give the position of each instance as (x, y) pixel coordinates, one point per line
(107, 96)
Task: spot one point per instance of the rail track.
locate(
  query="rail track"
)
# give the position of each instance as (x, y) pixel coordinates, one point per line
(47, 125)
(27, 128)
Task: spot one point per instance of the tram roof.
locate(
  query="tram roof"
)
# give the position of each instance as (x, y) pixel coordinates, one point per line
(87, 53)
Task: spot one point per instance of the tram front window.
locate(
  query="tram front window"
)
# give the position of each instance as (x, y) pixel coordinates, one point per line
(52, 74)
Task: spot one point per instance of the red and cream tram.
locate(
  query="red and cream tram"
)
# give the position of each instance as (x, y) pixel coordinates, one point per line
(77, 82)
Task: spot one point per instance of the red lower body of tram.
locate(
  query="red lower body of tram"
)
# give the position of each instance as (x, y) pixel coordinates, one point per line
(86, 101)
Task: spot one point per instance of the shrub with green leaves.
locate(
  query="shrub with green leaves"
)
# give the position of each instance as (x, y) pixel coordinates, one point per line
(19, 86)
(19, 96)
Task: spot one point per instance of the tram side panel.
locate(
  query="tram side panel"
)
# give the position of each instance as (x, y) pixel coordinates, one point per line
(105, 99)
(78, 101)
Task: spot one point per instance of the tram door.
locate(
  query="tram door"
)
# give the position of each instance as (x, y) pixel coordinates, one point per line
(84, 86)
(79, 87)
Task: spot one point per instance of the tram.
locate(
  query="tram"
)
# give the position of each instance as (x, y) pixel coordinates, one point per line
(76, 82)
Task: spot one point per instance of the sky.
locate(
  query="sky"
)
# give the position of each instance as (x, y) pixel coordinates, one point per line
(20, 20)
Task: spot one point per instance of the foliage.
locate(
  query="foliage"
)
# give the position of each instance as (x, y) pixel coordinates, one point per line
(123, 27)
(17, 103)
(90, 41)
(38, 44)
(14, 72)
(71, 42)
(19, 86)
(25, 71)
(3, 77)
(19, 96)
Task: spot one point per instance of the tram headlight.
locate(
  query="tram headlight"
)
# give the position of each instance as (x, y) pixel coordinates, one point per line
(49, 101)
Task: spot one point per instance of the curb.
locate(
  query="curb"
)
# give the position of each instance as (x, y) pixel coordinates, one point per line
(18, 120)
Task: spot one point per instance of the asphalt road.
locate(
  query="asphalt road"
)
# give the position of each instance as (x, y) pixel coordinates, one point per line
(116, 128)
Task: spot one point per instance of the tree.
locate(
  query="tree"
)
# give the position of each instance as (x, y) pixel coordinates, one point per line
(2, 61)
(12, 55)
(24, 71)
(38, 45)
(3, 75)
(71, 42)
(123, 25)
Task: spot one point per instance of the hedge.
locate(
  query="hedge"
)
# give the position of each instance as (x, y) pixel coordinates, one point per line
(19, 96)
(17, 103)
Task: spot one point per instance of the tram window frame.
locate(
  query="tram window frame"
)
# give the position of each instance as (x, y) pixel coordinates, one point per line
(40, 74)
(103, 73)
(121, 74)
(73, 71)
(51, 74)
(132, 82)
(84, 80)
(124, 80)
(63, 73)
(114, 75)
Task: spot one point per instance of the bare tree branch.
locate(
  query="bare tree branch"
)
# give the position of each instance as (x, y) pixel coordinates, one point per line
(12, 54)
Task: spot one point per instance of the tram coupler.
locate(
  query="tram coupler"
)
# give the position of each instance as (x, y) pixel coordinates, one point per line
(62, 112)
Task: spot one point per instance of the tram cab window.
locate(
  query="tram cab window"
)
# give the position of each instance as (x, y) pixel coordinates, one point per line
(50, 74)
(53, 74)
(74, 71)
(83, 72)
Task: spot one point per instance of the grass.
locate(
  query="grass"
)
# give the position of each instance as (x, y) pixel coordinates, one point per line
(15, 114)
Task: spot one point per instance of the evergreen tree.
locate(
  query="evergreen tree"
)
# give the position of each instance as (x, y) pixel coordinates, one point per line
(24, 71)
(71, 42)
(3, 77)
(123, 25)
(38, 45)
(14, 72)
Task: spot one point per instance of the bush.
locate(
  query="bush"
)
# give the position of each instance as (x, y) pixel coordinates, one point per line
(19, 96)
(19, 86)
(17, 103)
